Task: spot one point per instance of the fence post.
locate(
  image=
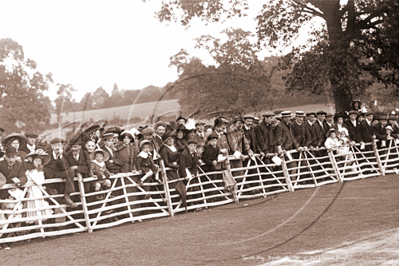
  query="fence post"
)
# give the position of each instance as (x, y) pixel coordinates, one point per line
(287, 175)
(335, 166)
(84, 205)
(166, 188)
(377, 156)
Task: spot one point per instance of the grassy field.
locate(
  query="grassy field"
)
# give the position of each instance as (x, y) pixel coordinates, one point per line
(141, 110)
(350, 223)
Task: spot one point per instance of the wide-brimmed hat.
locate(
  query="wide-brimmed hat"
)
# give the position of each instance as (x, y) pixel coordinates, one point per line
(104, 153)
(15, 136)
(126, 133)
(145, 142)
(39, 154)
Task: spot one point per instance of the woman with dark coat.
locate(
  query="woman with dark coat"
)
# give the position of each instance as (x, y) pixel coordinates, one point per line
(180, 139)
(127, 152)
(170, 155)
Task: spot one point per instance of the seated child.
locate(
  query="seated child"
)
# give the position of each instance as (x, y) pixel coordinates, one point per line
(145, 165)
(332, 142)
(98, 159)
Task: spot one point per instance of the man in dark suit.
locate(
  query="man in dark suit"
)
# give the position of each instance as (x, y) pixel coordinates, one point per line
(265, 137)
(200, 134)
(11, 170)
(379, 130)
(366, 129)
(353, 127)
(189, 163)
(160, 128)
(299, 130)
(311, 140)
(58, 167)
(394, 124)
(79, 160)
(250, 133)
(320, 128)
(114, 162)
(30, 146)
(328, 123)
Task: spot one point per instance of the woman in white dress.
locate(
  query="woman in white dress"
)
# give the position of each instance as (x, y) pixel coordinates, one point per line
(35, 177)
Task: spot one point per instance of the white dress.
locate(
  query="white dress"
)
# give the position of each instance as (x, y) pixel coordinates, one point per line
(35, 180)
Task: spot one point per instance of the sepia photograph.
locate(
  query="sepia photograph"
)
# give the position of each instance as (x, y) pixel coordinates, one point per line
(199, 132)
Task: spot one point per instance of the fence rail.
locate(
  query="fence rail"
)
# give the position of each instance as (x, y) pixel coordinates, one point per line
(35, 213)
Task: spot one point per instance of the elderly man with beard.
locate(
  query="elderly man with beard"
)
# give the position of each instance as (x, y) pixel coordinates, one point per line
(79, 160)
(58, 167)
(11, 171)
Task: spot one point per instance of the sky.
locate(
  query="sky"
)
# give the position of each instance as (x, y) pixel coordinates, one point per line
(98, 43)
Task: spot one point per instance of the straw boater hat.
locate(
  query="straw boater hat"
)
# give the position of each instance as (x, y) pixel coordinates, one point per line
(15, 136)
(105, 154)
(256, 119)
(286, 114)
(39, 154)
(299, 114)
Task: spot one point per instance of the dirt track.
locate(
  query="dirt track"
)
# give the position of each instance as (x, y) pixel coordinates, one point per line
(328, 223)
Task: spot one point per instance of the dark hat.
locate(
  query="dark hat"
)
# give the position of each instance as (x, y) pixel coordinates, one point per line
(105, 154)
(238, 118)
(11, 151)
(168, 134)
(268, 114)
(113, 129)
(218, 122)
(310, 113)
(201, 144)
(199, 122)
(147, 131)
(299, 113)
(369, 113)
(39, 154)
(126, 133)
(353, 112)
(357, 100)
(277, 112)
(213, 135)
(393, 117)
(321, 112)
(360, 113)
(181, 127)
(341, 114)
(192, 141)
(159, 123)
(92, 129)
(249, 117)
(2, 129)
(383, 117)
(179, 118)
(57, 140)
(279, 118)
(108, 135)
(329, 115)
(31, 135)
(286, 114)
(76, 141)
(11, 137)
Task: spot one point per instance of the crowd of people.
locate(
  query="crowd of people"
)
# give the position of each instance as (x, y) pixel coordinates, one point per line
(103, 152)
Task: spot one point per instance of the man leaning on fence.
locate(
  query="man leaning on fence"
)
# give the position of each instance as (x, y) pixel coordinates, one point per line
(58, 167)
(11, 171)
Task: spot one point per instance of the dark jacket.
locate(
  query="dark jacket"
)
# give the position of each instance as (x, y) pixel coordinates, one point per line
(354, 132)
(210, 154)
(250, 134)
(115, 166)
(284, 137)
(188, 161)
(17, 170)
(312, 137)
(55, 166)
(301, 134)
(83, 163)
(320, 133)
(366, 132)
(265, 137)
(128, 155)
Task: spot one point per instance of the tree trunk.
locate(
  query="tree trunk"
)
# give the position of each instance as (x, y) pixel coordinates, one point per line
(342, 97)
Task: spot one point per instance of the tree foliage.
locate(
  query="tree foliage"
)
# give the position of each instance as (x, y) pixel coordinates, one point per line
(23, 107)
(355, 37)
(237, 82)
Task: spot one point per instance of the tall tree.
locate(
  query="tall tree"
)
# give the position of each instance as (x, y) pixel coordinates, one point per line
(63, 102)
(22, 104)
(338, 53)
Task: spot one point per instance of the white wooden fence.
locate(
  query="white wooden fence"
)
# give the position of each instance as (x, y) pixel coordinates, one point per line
(124, 202)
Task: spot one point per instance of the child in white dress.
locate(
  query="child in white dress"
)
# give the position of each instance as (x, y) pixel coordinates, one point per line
(35, 176)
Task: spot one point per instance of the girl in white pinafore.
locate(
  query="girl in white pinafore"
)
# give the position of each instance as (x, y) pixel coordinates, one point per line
(35, 177)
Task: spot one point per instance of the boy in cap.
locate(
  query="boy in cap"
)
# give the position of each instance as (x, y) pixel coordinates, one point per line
(58, 167)
(200, 136)
(115, 162)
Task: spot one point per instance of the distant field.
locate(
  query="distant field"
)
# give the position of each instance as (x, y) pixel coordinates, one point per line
(141, 110)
